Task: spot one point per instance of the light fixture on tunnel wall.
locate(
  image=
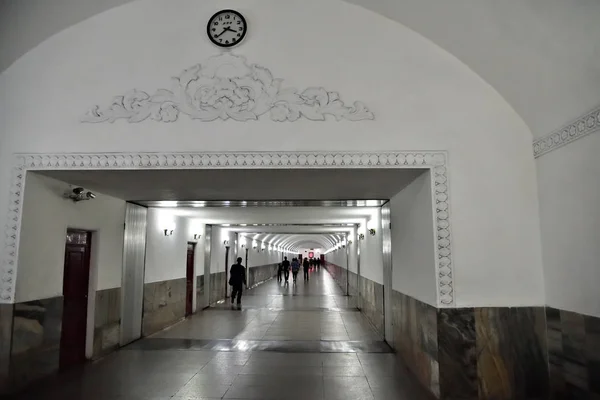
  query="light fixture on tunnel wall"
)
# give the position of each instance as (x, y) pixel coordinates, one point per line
(372, 232)
(243, 245)
(79, 194)
(349, 242)
(361, 236)
(226, 242)
(168, 232)
(197, 236)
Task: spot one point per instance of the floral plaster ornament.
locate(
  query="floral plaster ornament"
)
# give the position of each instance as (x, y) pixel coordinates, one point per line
(225, 87)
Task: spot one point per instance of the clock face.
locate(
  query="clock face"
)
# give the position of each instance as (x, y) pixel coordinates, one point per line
(227, 28)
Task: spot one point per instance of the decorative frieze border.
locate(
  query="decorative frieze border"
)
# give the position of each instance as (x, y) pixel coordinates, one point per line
(435, 161)
(576, 129)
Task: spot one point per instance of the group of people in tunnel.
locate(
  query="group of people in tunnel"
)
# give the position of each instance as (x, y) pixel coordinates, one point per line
(283, 271)
(237, 274)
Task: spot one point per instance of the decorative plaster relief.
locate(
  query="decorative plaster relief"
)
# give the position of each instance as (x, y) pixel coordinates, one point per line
(580, 127)
(434, 161)
(224, 87)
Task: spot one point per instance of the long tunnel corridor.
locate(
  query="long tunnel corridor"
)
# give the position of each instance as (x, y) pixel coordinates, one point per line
(299, 341)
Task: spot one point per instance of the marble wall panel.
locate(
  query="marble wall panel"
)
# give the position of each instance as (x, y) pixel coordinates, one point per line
(199, 293)
(371, 301)
(259, 274)
(457, 353)
(36, 332)
(573, 354)
(218, 286)
(511, 353)
(6, 321)
(107, 321)
(415, 338)
(164, 304)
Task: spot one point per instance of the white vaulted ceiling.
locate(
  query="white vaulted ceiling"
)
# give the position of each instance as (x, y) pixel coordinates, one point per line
(542, 56)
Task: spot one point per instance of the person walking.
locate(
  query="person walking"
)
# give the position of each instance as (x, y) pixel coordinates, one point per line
(237, 279)
(286, 269)
(279, 272)
(295, 268)
(306, 267)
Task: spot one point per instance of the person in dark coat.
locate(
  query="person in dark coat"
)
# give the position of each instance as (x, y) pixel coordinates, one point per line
(279, 272)
(306, 266)
(286, 269)
(237, 279)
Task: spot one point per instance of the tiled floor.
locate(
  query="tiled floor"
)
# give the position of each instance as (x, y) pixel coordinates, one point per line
(300, 342)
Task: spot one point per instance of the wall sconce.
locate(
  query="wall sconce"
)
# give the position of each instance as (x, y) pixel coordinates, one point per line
(372, 232)
(226, 242)
(243, 245)
(197, 236)
(168, 232)
(349, 242)
(361, 236)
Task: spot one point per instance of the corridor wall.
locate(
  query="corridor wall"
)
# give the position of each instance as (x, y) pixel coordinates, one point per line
(570, 222)
(165, 273)
(262, 264)
(37, 315)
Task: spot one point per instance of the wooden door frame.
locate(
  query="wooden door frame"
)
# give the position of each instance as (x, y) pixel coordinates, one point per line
(193, 277)
(88, 262)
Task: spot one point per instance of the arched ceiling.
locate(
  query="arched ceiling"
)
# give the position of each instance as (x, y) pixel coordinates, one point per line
(542, 56)
(295, 238)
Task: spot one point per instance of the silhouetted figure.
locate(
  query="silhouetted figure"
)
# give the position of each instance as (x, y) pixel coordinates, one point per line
(306, 266)
(279, 272)
(237, 279)
(286, 269)
(295, 268)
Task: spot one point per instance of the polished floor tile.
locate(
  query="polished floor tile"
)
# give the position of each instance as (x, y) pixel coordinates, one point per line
(303, 341)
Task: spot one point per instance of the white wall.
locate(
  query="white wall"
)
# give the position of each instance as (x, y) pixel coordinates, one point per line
(337, 257)
(166, 256)
(570, 219)
(256, 258)
(371, 248)
(217, 249)
(423, 98)
(46, 217)
(413, 247)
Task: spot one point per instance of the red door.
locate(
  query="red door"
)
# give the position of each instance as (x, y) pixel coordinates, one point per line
(75, 303)
(189, 297)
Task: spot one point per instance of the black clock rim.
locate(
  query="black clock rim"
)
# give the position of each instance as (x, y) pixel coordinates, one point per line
(210, 20)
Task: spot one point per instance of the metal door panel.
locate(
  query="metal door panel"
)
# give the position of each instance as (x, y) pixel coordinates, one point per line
(134, 259)
(387, 272)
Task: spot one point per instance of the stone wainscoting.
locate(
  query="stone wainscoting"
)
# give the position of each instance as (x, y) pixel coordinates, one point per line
(199, 293)
(473, 353)
(107, 321)
(574, 354)
(371, 302)
(369, 293)
(416, 338)
(164, 304)
(35, 348)
(257, 275)
(218, 286)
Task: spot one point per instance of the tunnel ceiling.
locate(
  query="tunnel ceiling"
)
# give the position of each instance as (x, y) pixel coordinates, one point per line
(247, 184)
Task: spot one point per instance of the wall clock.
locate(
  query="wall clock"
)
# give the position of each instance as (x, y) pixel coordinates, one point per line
(226, 28)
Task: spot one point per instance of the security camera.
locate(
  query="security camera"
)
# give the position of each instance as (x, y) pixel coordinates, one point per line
(79, 194)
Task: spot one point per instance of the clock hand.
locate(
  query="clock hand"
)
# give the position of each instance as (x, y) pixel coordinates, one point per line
(224, 30)
(231, 30)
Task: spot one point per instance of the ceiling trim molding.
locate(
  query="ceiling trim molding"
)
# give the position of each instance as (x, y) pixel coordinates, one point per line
(576, 129)
(226, 87)
(435, 161)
